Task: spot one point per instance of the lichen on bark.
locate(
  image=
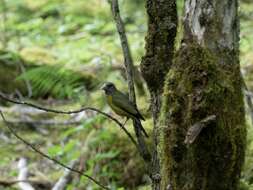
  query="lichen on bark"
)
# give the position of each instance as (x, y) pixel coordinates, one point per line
(197, 86)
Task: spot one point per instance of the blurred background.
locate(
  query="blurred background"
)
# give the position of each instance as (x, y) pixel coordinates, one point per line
(57, 53)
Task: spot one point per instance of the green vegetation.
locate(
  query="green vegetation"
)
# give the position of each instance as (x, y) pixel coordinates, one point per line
(64, 50)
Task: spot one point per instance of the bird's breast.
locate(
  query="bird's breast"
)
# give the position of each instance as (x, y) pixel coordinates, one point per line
(114, 107)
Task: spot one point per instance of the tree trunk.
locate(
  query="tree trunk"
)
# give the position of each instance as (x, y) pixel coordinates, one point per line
(204, 80)
(162, 28)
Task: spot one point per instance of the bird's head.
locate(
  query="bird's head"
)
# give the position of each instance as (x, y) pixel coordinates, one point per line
(109, 88)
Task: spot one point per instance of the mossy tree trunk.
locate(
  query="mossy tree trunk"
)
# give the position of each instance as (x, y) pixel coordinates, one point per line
(162, 28)
(204, 80)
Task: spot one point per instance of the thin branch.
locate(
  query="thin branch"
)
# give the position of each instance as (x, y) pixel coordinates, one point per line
(129, 67)
(2, 96)
(128, 61)
(47, 156)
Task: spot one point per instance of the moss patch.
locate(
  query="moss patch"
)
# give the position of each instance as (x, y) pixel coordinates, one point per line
(197, 86)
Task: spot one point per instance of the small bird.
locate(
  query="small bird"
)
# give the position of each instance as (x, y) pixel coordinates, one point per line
(121, 105)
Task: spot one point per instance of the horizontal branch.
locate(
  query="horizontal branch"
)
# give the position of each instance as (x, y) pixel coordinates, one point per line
(2, 96)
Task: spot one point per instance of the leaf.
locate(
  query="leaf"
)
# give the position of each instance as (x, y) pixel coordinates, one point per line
(55, 150)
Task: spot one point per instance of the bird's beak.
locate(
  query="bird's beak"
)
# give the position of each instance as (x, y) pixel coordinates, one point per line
(102, 87)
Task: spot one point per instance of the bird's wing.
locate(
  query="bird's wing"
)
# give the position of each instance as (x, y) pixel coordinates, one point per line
(121, 100)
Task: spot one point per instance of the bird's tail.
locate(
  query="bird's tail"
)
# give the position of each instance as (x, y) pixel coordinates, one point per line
(139, 125)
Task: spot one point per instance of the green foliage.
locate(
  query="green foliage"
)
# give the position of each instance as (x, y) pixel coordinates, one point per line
(246, 43)
(54, 80)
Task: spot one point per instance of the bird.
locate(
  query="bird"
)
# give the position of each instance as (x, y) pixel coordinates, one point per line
(121, 105)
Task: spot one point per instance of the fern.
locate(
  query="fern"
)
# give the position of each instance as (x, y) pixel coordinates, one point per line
(56, 81)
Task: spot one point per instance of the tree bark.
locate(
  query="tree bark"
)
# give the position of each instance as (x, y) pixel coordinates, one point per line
(204, 80)
(162, 28)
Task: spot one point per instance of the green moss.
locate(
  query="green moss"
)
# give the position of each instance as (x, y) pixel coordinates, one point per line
(162, 29)
(198, 86)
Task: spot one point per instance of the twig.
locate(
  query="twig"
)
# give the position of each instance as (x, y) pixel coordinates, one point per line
(195, 129)
(2, 96)
(48, 157)
(129, 66)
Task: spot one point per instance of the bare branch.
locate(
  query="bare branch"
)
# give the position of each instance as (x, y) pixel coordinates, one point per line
(47, 156)
(128, 61)
(2, 96)
(129, 66)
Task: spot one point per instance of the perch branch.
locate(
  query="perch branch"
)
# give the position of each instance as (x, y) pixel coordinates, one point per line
(2, 96)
